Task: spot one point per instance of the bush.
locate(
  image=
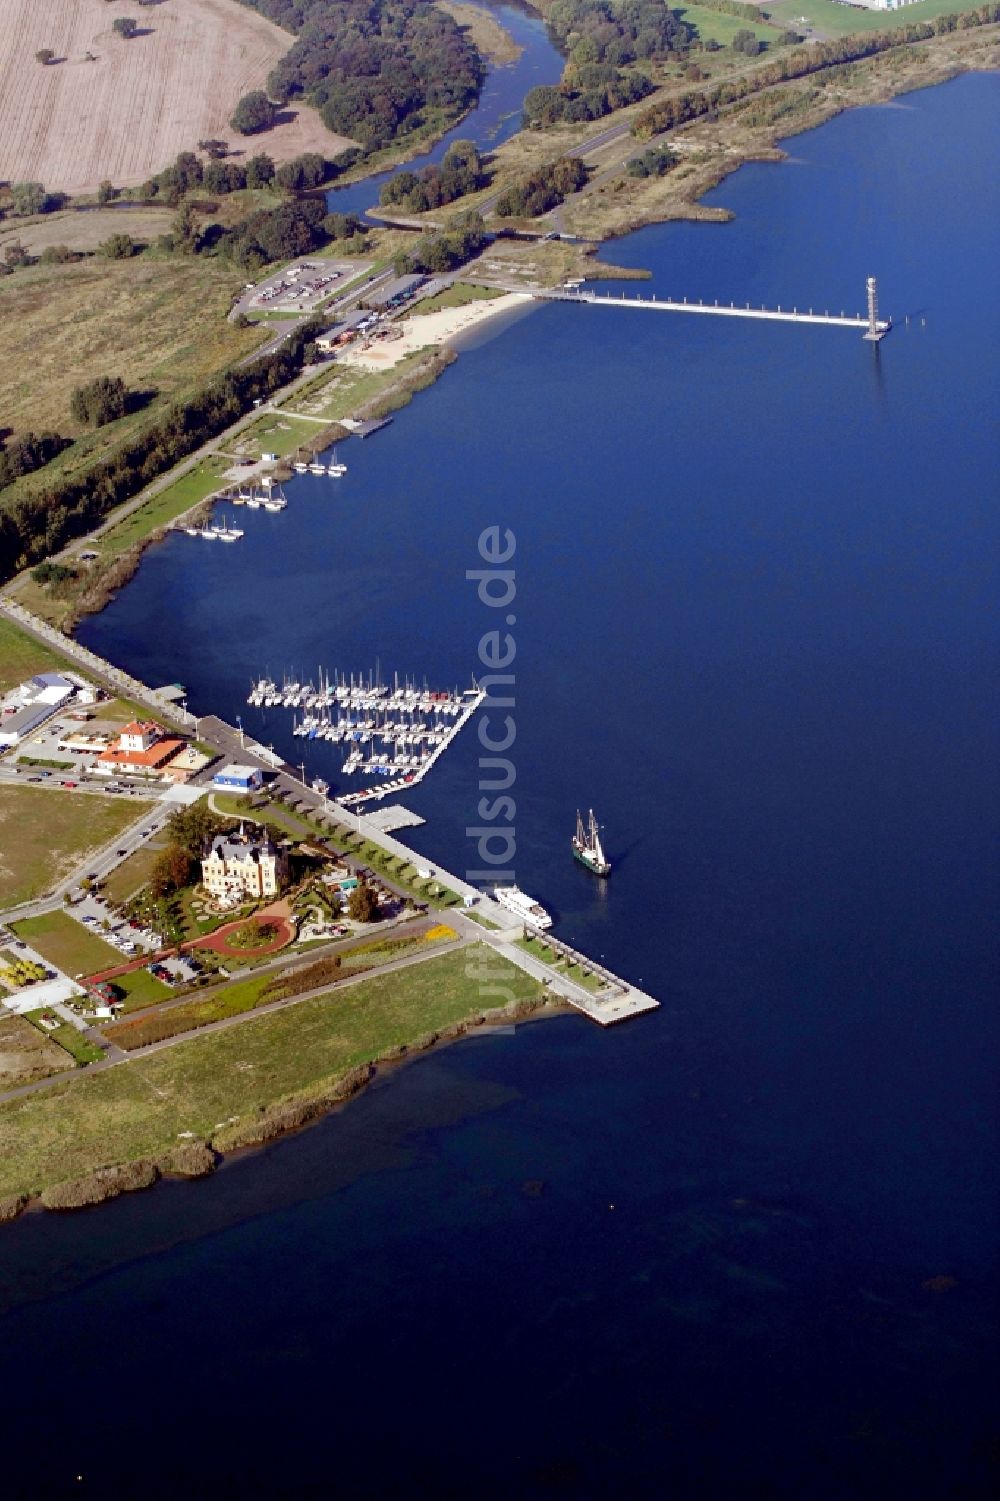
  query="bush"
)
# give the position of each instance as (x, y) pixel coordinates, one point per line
(653, 163)
(253, 113)
(125, 26)
(52, 573)
(99, 401)
(118, 247)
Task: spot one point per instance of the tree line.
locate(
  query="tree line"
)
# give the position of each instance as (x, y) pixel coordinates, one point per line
(799, 63)
(587, 91)
(446, 248)
(38, 523)
(460, 172)
(375, 69)
(545, 188)
(30, 451)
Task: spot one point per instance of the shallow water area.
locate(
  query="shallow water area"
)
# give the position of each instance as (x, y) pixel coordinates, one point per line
(746, 1246)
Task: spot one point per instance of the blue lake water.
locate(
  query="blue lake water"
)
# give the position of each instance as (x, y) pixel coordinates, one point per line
(497, 114)
(756, 627)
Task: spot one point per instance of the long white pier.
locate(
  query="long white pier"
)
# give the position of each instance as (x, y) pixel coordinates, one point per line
(874, 327)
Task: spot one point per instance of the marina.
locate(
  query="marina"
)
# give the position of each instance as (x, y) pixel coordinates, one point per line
(395, 733)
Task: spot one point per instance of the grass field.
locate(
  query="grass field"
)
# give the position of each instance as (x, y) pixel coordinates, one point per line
(714, 23)
(276, 433)
(170, 503)
(127, 878)
(44, 834)
(159, 324)
(457, 295)
(66, 943)
(340, 392)
(129, 108)
(837, 20)
(69, 1039)
(21, 656)
(139, 1109)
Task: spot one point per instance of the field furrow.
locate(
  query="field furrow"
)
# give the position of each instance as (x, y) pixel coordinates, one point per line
(127, 113)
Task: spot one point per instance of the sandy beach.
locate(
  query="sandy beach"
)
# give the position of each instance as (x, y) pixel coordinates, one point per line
(423, 330)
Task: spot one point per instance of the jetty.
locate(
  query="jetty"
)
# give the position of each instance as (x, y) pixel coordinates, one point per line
(874, 327)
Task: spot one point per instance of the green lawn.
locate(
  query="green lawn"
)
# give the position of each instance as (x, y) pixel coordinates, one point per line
(46, 833)
(139, 1109)
(198, 484)
(67, 944)
(21, 656)
(457, 295)
(140, 989)
(540, 950)
(132, 874)
(276, 433)
(838, 20)
(714, 23)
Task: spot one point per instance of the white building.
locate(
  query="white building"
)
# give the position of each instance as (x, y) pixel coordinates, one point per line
(238, 866)
(31, 704)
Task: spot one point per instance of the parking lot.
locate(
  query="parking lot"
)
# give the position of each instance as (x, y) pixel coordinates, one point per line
(300, 287)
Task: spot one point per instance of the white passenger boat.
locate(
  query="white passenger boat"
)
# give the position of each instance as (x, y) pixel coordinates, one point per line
(523, 906)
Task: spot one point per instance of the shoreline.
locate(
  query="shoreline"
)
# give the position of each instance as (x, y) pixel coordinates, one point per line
(279, 1118)
(728, 144)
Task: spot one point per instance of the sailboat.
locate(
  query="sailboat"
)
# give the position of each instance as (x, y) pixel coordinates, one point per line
(335, 467)
(587, 847)
(227, 533)
(275, 501)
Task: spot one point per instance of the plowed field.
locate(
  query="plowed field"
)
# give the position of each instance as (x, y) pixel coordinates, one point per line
(129, 112)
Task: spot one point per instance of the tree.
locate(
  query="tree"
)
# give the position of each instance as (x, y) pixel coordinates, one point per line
(214, 148)
(28, 197)
(107, 192)
(125, 26)
(260, 171)
(253, 113)
(118, 247)
(744, 41)
(362, 905)
(190, 828)
(173, 870)
(44, 55)
(185, 230)
(99, 401)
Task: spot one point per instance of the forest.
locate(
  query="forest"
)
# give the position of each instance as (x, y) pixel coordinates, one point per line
(375, 69)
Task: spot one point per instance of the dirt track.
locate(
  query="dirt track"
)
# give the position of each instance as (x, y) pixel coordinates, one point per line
(127, 114)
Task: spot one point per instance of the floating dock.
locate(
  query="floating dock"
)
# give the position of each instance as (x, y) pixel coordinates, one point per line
(405, 728)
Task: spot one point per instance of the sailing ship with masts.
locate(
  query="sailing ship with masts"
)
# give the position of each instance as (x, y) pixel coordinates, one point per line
(587, 846)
